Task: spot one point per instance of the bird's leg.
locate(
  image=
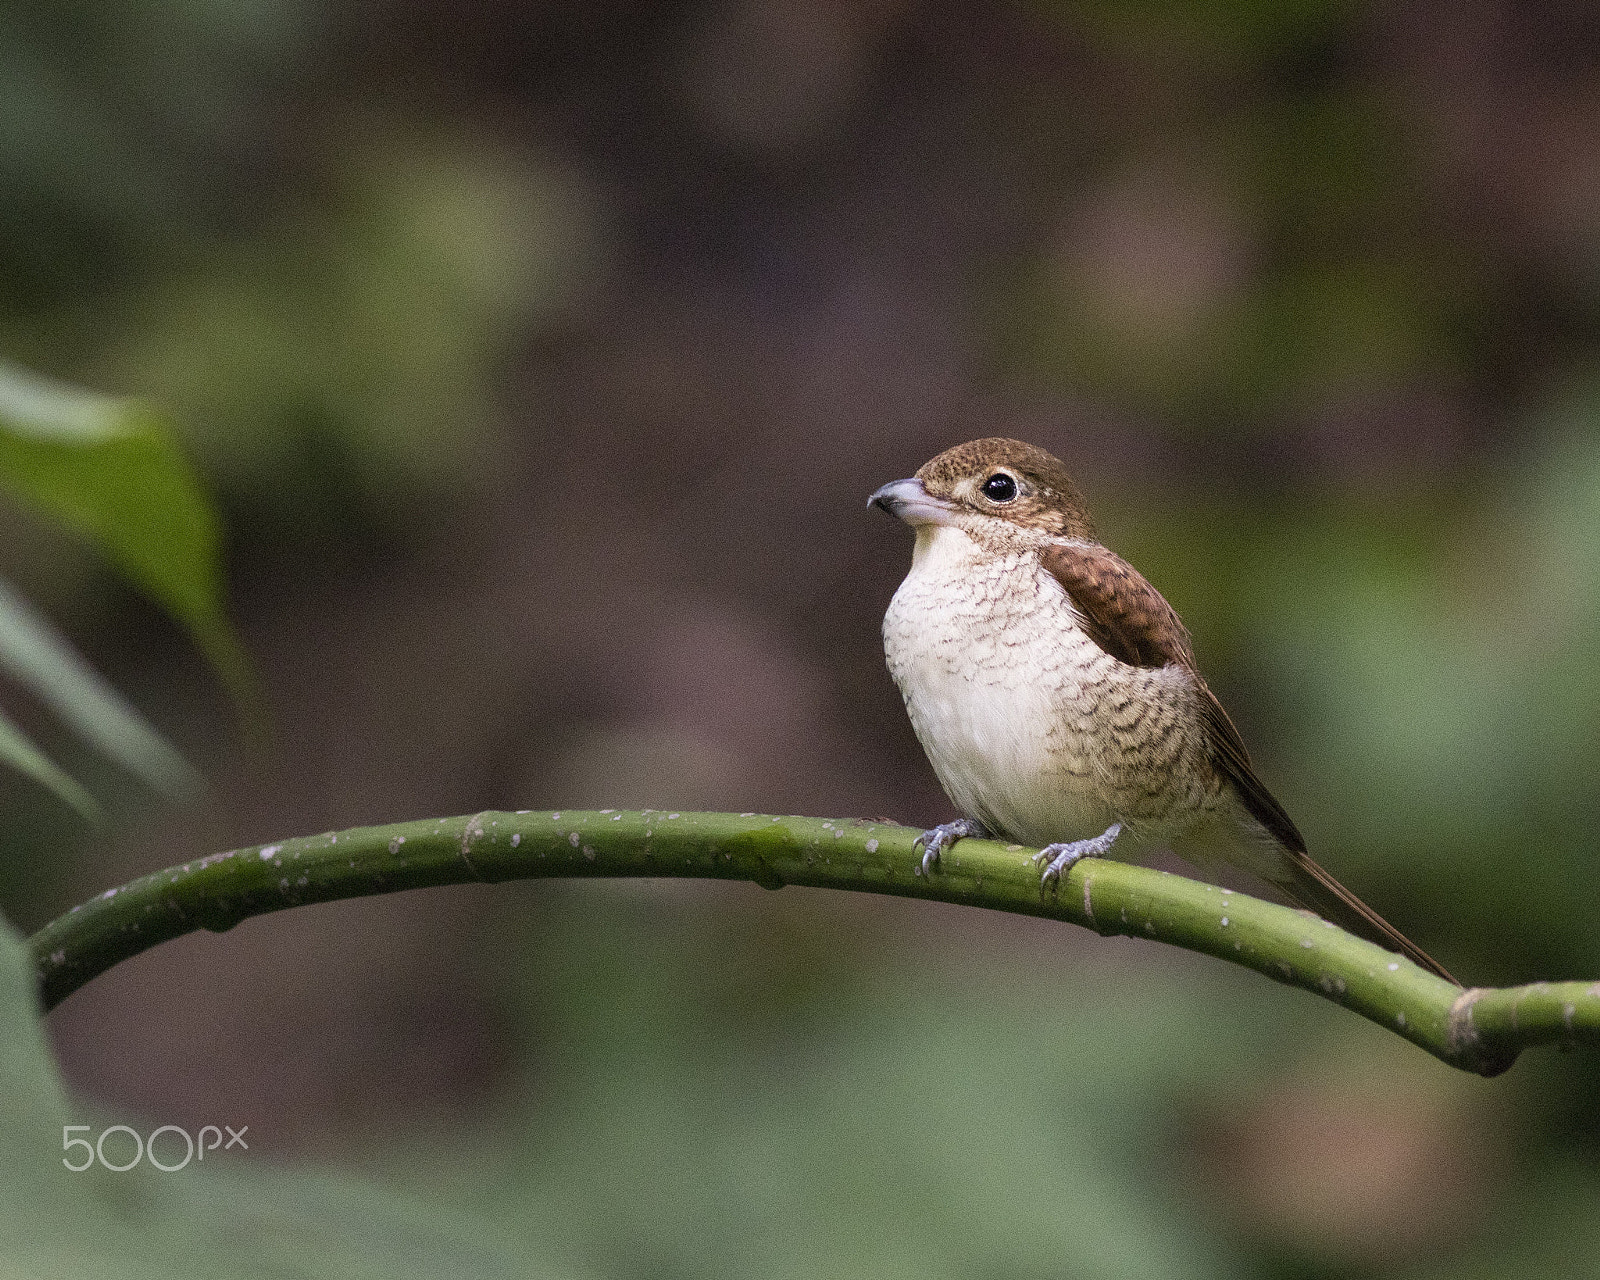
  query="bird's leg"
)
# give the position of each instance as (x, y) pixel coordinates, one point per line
(935, 839)
(1062, 857)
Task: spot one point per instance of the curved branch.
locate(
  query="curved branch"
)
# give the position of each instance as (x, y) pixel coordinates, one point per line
(1480, 1030)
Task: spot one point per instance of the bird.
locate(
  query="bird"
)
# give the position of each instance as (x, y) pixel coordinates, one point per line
(1057, 696)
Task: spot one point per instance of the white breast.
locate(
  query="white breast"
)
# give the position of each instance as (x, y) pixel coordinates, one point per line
(1002, 687)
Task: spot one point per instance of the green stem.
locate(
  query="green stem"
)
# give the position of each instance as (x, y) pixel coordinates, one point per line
(1479, 1030)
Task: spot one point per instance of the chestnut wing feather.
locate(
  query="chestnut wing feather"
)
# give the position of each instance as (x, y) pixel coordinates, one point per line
(1120, 611)
(1127, 617)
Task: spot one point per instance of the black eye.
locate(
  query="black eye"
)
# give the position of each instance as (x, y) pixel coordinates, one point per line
(1000, 487)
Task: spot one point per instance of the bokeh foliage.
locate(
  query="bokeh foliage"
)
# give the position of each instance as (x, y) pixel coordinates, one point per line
(110, 472)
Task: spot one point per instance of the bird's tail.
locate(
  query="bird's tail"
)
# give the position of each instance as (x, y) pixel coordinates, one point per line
(1313, 888)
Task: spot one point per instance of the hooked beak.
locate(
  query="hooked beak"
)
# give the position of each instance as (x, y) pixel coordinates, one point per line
(910, 501)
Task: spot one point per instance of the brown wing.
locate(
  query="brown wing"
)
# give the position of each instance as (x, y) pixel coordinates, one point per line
(1131, 620)
(1121, 612)
(1128, 618)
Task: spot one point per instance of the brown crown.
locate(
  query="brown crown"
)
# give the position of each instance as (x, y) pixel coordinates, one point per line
(1054, 504)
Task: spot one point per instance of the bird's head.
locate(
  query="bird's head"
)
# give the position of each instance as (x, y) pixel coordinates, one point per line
(991, 486)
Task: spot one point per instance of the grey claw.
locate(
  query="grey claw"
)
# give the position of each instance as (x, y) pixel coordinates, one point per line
(1063, 856)
(934, 840)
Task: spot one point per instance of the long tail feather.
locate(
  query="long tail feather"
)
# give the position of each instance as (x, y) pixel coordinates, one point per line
(1313, 888)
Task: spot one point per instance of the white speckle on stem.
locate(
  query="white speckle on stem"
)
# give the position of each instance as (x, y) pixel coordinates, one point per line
(1400, 1019)
(872, 846)
(1395, 964)
(394, 845)
(269, 851)
(588, 852)
(516, 839)
(573, 839)
(555, 817)
(109, 893)
(1307, 943)
(1224, 922)
(674, 815)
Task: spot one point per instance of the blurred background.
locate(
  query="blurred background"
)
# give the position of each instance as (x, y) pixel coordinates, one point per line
(541, 357)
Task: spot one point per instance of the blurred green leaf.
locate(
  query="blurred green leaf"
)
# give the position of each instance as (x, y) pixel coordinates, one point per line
(34, 654)
(111, 470)
(19, 751)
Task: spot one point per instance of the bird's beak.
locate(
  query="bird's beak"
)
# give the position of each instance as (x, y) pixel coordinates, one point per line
(908, 500)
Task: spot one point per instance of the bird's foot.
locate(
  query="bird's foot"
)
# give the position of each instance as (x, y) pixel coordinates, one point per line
(936, 839)
(1060, 858)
